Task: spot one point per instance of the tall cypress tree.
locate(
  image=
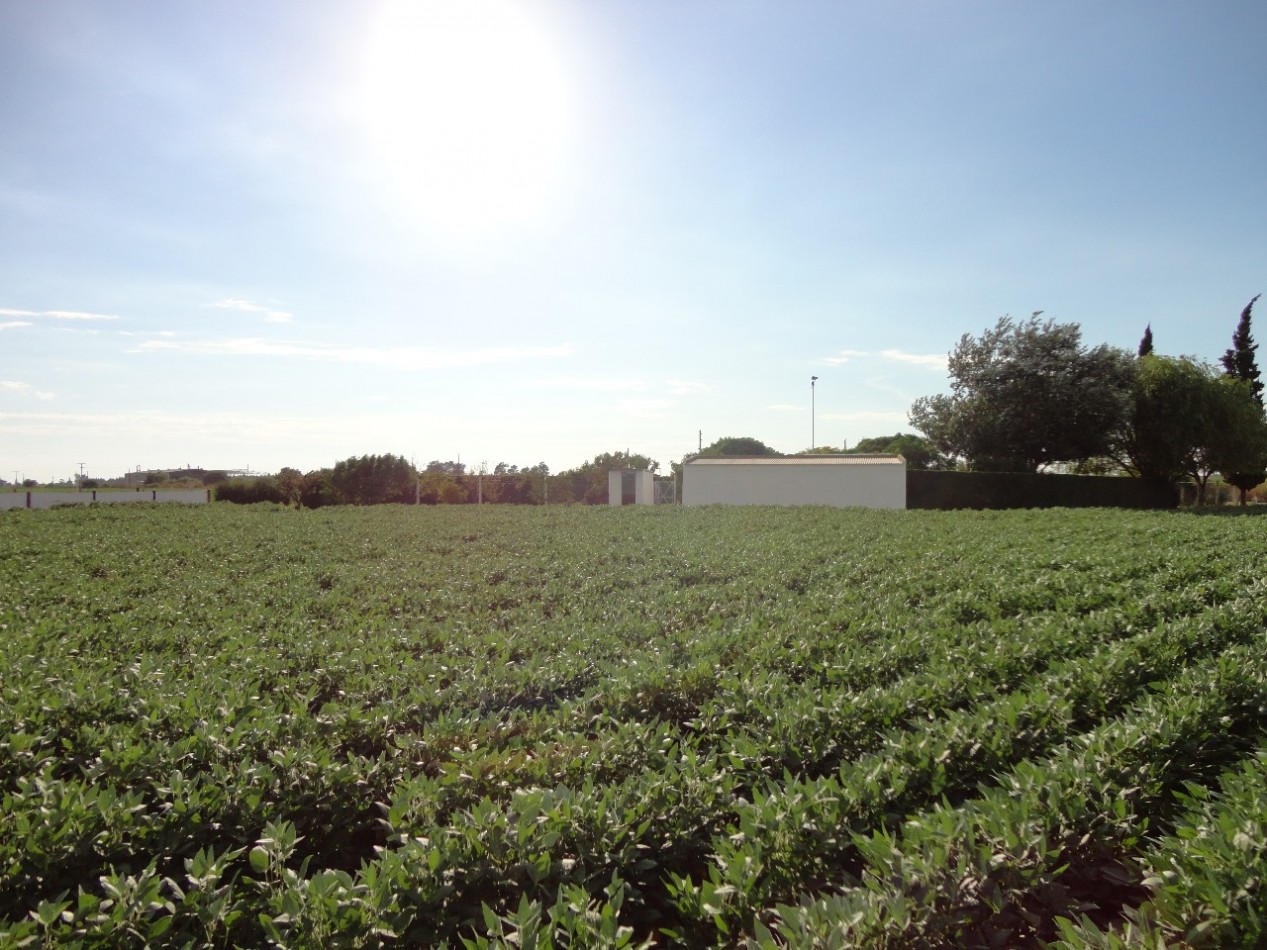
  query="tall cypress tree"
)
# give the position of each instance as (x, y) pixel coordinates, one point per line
(1239, 361)
(1146, 344)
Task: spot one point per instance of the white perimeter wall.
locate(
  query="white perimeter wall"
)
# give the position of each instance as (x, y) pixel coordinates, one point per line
(51, 499)
(788, 482)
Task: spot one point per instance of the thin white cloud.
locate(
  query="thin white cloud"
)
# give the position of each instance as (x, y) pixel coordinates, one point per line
(595, 384)
(56, 314)
(405, 357)
(683, 387)
(212, 430)
(17, 387)
(843, 357)
(784, 407)
(676, 387)
(14, 324)
(930, 360)
(78, 315)
(149, 423)
(644, 407)
(236, 303)
(271, 315)
(868, 417)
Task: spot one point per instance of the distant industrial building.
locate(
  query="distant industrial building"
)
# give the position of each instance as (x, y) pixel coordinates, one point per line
(150, 476)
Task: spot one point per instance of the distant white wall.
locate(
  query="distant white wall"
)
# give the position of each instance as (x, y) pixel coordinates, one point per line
(52, 499)
(839, 481)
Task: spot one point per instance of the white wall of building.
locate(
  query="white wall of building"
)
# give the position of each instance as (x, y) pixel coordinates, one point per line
(52, 499)
(841, 481)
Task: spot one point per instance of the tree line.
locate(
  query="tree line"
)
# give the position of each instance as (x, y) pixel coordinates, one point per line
(393, 479)
(1028, 396)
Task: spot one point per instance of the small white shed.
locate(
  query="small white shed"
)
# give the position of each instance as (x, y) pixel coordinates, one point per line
(842, 481)
(627, 486)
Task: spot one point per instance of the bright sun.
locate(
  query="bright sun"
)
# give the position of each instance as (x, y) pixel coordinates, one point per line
(467, 106)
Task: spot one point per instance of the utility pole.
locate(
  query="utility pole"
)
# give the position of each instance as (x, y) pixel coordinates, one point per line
(812, 434)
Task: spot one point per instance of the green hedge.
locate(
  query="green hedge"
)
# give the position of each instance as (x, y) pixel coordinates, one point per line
(250, 491)
(946, 490)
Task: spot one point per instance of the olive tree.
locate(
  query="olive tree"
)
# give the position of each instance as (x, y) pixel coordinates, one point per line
(1026, 394)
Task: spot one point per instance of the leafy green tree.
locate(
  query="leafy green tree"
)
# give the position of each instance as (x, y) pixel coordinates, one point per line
(918, 451)
(1236, 445)
(250, 491)
(516, 485)
(1027, 394)
(1170, 416)
(587, 483)
(374, 480)
(445, 468)
(316, 490)
(290, 482)
(1188, 420)
(736, 445)
(442, 483)
(452, 492)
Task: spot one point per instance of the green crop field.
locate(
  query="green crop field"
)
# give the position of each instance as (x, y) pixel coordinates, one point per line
(225, 726)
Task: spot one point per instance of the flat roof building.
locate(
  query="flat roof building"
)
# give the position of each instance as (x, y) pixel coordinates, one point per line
(841, 481)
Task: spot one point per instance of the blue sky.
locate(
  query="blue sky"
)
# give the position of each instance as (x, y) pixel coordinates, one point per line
(237, 234)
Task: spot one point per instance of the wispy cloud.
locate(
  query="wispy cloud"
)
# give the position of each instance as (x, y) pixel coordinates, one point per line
(271, 315)
(869, 417)
(601, 384)
(644, 407)
(218, 426)
(930, 360)
(784, 407)
(684, 387)
(14, 324)
(605, 384)
(404, 357)
(199, 432)
(20, 388)
(55, 315)
(843, 357)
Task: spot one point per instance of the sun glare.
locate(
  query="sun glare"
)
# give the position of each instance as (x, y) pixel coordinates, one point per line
(467, 108)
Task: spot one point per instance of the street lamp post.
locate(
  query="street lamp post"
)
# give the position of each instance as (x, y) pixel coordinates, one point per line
(813, 443)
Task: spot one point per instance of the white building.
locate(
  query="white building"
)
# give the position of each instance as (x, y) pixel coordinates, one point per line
(627, 486)
(842, 481)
